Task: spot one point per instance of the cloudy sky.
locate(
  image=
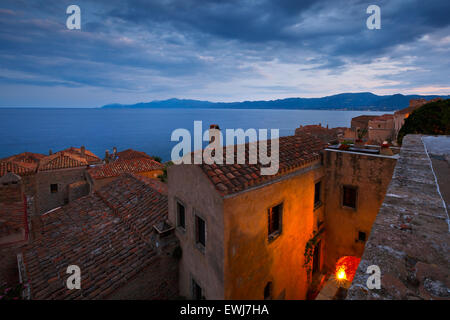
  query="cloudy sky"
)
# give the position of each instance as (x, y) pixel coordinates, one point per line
(217, 50)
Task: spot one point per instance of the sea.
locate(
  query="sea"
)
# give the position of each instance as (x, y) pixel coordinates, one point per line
(42, 129)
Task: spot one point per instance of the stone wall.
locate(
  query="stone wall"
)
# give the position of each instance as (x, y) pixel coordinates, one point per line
(410, 237)
(371, 175)
(45, 199)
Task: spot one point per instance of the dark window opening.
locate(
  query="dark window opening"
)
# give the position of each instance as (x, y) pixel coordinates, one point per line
(200, 231)
(181, 215)
(268, 291)
(274, 223)
(317, 189)
(316, 258)
(349, 197)
(361, 236)
(197, 292)
(53, 188)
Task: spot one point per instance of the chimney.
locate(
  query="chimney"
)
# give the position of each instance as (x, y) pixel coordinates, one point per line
(213, 131)
(114, 153)
(50, 152)
(83, 151)
(107, 156)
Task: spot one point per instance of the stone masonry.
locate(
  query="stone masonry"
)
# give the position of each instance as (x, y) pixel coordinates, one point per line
(410, 236)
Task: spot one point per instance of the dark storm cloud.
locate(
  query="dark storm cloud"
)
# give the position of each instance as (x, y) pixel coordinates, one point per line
(182, 47)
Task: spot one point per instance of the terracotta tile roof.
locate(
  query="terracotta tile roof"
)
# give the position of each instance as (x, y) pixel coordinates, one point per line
(159, 186)
(22, 164)
(132, 154)
(106, 234)
(20, 168)
(90, 157)
(121, 166)
(28, 157)
(294, 152)
(61, 160)
(28, 163)
(323, 133)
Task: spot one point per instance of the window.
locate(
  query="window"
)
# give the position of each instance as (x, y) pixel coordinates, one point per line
(274, 223)
(200, 231)
(361, 236)
(317, 189)
(349, 197)
(181, 216)
(268, 291)
(53, 188)
(197, 292)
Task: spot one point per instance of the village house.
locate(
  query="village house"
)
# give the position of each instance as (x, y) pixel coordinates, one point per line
(53, 180)
(385, 127)
(61, 178)
(244, 235)
(327, 135)
(128, 161)
(117, 236)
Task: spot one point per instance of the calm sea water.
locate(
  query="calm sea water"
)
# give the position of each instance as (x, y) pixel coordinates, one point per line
(149, 130)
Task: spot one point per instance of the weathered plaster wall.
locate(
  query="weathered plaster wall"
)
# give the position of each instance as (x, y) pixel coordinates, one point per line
(189, 184)
(371, 175)
(250, 260)
(410, 236)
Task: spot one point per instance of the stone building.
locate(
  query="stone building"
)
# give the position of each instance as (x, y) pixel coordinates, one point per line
(136, 162)
(382, 128)
(244, 235)
(327, 135)
(356, 184)
(52, 180)
(61, 178)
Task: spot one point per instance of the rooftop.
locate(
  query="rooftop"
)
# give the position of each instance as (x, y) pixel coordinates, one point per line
(22, 164)
(364, 117)
(132, 154)
(62, 160)
(90, 157)
(106, 234)
(383, 117)
(116, 168)
(294, 152)
(27, 163)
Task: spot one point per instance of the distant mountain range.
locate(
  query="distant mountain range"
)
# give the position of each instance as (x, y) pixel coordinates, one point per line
(344, 101)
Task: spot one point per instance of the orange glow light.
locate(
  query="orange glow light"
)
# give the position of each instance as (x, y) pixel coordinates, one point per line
(346, 268)
(340, 275)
